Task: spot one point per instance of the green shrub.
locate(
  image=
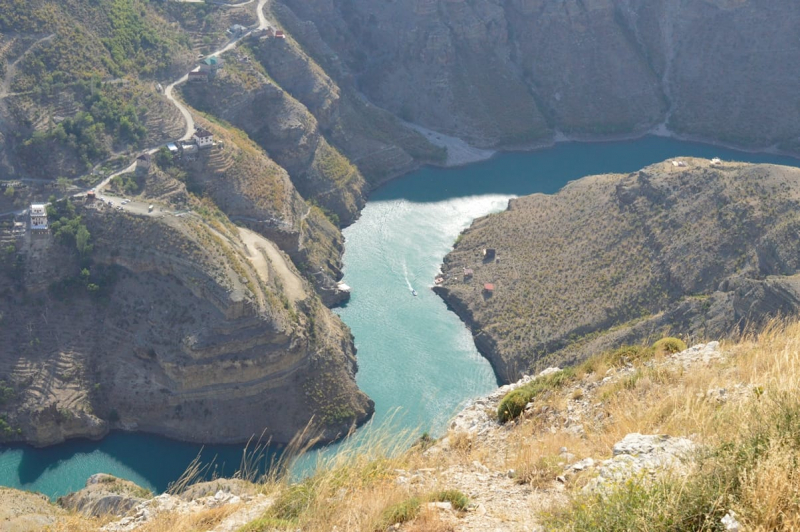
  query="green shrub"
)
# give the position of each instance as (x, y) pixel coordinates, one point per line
(401, 512)
(5, 427)
(669, 345)
(293, 501)
(7, 393)
(266, 524)
(513, 404)
(628, 354)
(454, 497)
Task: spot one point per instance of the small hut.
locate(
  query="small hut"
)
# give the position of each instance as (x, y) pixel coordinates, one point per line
(489, 254)
(488, 288)
(143, 164)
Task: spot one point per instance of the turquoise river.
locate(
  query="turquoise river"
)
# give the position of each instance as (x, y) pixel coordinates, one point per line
(416, 359)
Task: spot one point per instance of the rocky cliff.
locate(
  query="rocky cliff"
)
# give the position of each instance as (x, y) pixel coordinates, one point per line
(514, 72)
(189, 327)
(702, 248)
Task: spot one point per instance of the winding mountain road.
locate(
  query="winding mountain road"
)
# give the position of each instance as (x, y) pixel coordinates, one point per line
(263, 23)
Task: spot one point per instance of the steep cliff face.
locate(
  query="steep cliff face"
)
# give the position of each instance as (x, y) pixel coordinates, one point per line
(514, 72)
(190, 328)
(702, 249)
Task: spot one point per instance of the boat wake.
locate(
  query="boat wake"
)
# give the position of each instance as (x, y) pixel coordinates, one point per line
(408, 283)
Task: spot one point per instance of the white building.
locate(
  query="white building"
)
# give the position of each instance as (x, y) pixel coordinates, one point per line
(203, 138)
(38, 217)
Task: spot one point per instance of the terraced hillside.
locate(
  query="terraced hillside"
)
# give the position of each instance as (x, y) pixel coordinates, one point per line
(703, 249)
(188, 327)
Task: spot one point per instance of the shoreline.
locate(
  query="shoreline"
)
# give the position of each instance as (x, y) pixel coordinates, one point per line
(559, 137)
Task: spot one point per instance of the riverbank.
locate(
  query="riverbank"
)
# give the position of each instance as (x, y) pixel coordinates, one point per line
(460, 153)
(434, 363)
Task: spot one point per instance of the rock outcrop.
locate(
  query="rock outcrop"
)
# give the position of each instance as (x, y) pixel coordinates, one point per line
(105, 495)
(188, 327)
(688, 246)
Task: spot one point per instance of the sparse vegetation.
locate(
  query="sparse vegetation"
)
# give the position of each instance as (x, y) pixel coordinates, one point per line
(399, 513)
(669, 345)
(564, 293)
(7, 393)
(513, 404)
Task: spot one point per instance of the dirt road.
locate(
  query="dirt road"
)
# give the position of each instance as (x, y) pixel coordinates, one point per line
(260, 250)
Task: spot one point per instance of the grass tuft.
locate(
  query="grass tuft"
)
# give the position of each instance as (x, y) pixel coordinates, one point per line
(513, 404)
(669, 346)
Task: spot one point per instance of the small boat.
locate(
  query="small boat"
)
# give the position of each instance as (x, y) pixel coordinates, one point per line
(413, 292)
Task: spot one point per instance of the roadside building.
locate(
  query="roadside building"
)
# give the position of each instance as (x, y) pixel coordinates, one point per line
(212, 64)
(198, 75)
(279, 34)
(203, 138)
(38, 213)
(173, 149)
(190, 151)
(143, 163)
(91, 195)
(237, 30)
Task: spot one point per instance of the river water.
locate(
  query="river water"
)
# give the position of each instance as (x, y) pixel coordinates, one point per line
(416, 359)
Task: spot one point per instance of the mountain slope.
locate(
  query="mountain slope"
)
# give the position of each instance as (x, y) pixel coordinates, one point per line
(701, 249)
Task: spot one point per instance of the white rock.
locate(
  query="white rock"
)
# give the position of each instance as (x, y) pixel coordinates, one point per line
(586, 463)
(704, 353)
(444, 506)
(637, 455)
(548, 371)
(730, 523)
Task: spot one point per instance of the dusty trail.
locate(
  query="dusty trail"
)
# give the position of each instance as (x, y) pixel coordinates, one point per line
(261, 251)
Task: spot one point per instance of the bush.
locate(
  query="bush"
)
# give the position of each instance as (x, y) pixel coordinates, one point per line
(454, 497)
(293, 502)
(628, 354)
(513, 404)
(7, 393)
(401, 512)
(669, 345)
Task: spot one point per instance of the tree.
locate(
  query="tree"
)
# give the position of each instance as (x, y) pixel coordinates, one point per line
(163, 158)
(82, 241)
(9, 193)
(63, 184)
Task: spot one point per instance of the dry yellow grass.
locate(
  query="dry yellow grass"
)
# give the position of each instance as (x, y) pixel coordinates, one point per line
(353, 490)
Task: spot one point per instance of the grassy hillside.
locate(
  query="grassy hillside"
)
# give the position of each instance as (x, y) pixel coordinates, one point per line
(79, 84)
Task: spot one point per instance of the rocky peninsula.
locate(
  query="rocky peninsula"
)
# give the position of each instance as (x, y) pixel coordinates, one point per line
(692, 246)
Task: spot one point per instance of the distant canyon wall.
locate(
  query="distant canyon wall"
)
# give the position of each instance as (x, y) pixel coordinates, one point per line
(513, 72)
